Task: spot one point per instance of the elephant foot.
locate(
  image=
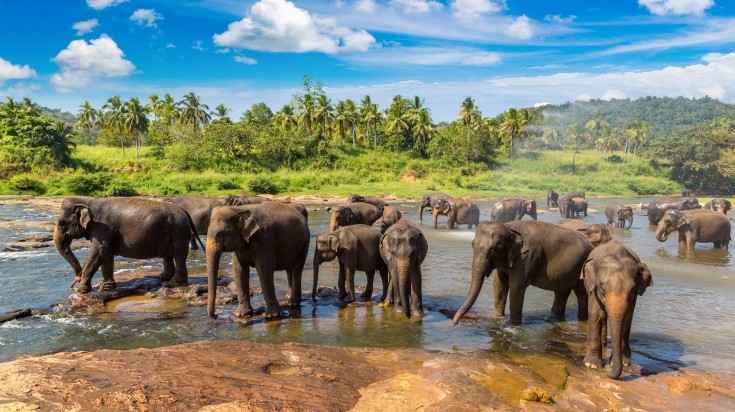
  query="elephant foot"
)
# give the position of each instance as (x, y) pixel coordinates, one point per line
(347, 299)
(417, 313)
(166, 276)
(366, 294)
(178, 282)
(292, 304)
(272, 313)
(82, 288)
(497, 314)
(243, 311)
(108, 285)
(592, 363)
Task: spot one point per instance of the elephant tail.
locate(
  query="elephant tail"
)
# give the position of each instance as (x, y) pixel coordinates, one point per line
(194, 230)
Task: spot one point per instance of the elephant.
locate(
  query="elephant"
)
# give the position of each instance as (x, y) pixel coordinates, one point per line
(403, 247)
(200, 210)
(527, 253)
(658, 207)
(719, 204)
(614, 277)
(389, 215)
(123, 226)
(357, 247)
(567, 207)
(596, 233)
(576, 193)
(551, 198)
(351, 214)
(244, 199)
(580, 206)
(686, 192)
(269, 236)
(698, 225)
(299, 208)
(458, 211)
(371, 200)
(513, 209)
(429, 201)
(617, 214)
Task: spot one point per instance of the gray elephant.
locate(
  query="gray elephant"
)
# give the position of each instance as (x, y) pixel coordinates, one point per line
(614, 277)
(120, 226)
(371, 200)
(686, 192)
(719, 204)
(200, 210)
(527, 253)
(580, 206)
(617, 214)
(389, 215)
(596, 233)
(404, 248)
(352, 214)
(270, 236)
(575, 193)
(429, 201)
(458, 212)
(244, 199)
(567, 207)
(698, 225)
(508, 210)
(658, 207)
(357, 247)
(551, 198)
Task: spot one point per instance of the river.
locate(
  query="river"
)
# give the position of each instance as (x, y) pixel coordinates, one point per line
(685, 319)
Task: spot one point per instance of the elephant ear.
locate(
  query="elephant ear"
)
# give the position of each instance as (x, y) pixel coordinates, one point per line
(444, 207)
(589, 276)
(334, 243)
(248, 225)
(645, 280)
(517, 247)
(84, 215)
(682, 221)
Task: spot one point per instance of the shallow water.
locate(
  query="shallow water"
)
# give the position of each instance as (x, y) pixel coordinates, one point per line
(685, 319)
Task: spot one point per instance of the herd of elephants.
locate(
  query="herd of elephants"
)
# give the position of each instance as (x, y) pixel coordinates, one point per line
(366, 234)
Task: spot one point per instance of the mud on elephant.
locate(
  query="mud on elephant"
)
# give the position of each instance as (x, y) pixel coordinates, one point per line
(270, 236)
(527, 253)
(698, 225)
(129, 227)
(508, 210)
(404, 248)
(356, 247)
(614, 277)
(458, 211)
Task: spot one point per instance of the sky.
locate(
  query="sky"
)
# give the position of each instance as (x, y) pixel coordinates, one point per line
(502, 53)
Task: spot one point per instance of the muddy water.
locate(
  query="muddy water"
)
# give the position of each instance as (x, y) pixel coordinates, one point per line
(685, 319)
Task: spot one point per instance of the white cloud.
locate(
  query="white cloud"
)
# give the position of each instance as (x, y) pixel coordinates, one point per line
(584, 97)
(557, 18)
(198, 46)
(416, 6)
(365, 6)
(521, 28)
(245, 60)
(280, 26)
(85, 26)
(222, 51)
(170, 46)
(147, 17)
(19, 90)
(82, 62)
(103, 4)
(677, 7)
(426, 56)
(10, 71)
(470, 10)
(614, 94)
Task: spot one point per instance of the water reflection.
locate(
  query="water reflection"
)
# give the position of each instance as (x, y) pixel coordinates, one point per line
(711, 256)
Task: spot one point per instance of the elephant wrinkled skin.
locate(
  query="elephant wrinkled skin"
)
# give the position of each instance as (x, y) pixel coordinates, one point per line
(698, 225)
(200, 210)
(389, 215)
(458, 211)
(404, 248)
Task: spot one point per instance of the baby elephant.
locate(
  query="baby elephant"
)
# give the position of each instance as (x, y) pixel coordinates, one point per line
(357, 248)
(403, 248)
(389, 216)
(614, 277)
(596, 233)
(617, 214)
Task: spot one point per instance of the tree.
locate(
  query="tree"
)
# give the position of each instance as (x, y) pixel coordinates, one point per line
(259, 115)
(135, 121)
(194, 112)
(286, 117)
(396, 120)
(154, 106)
(637, 135)
(323, 113)
(469, 113)
(86, 120)
(342, 120)
(514, 125)
(595, 127)
(222, 113)
(306, 109)
(30, 107)
(574, 137)
(353, 118)
(113, 119)
(370, 115)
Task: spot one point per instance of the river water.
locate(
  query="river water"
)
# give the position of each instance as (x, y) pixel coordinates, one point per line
(685, 319)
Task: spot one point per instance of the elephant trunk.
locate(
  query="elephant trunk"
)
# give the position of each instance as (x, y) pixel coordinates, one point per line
(616, 312)
(63, 246)
(213, 256)
(630, 222)
(404, 284)
(421, 213)
(317, 262)
(479, 266)
(661, 233)
(333, 223)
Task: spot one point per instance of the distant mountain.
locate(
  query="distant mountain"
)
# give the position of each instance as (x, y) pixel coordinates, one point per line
(663, 114)
(58, 114)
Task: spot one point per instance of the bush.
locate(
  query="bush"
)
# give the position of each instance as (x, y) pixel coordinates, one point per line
(87, 184)
(228, 184)
(25, 184)
(120, 188)
(262, 184)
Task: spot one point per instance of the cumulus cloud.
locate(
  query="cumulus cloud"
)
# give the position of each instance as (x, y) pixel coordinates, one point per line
(676, 7)
(245, 60)
(280, 26)
(82, 62)
(614, 94)
(366, 6)
(470, 10)
(521, 28)
(103, 4)
(557, 18)
(85, 26)
(147, 17)
(416, 6)
(10, 71)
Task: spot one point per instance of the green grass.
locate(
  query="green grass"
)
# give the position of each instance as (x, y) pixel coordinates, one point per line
(104, 171)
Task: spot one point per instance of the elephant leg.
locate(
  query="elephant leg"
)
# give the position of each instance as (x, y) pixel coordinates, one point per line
(396, 293)
(683, 241)
(241, 272)
(294, 274)
(559, 307)
(417, 305)
(181, 277)
(94, 260)
(265, 267)
(582, 301)
(517, 295)
(627, 323)
(501, 288)
(341, 280)
(369, 286)
(107, 269)
(349, 284)
(386, 285)
(596, 334)
(168, 269)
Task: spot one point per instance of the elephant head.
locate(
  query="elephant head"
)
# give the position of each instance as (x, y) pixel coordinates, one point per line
(75, 222)
(690, 203)
(327, 245)
(720, 205)
(596, 233)
(425, 201)
(530, 208)
(441, 207)
(626, 213)
(340, 216)
(389, 215)
(495, 246)
(616, 282)
(404, 248)
(355, 198)
(672, 220)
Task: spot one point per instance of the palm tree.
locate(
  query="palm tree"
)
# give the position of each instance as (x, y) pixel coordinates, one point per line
(422, 130)
(221, 112)
(397, 119)
(154, 105)
(469, 113)
(551, 135)
(169, 110)
(323, 113)
(194, 112)
(135, 121)
(525, 117)
(30, 107)
(307, 107)
(596, 126)
(638, 135)
(370, 115)
(514, 125)
(86, 120)
(352, 118)
(286, 117)
(341, 119)
(574, 136)
(113, 119)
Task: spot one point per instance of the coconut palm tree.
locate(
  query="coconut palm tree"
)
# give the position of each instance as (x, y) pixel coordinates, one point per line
(135, 121)
(324, 113)
(575, 137)
(113, 119)
(286, 117)
(30, 107)
(370, 115)
(639, 132)
(595, 127)
(397, 119)
(86, 120)
(306, 115)
(353, 118)
(469, 113)
(422, 130)
(154, 105)
(194, 112)
(222, 113)
(514, 125)
(341, 119)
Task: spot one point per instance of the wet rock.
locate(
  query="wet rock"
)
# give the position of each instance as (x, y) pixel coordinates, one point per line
(537, 395)
(17, 314)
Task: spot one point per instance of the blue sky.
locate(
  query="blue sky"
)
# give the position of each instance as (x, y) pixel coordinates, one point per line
(502, 53)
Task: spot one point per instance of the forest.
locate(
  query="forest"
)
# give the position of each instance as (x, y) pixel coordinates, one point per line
(669, 138)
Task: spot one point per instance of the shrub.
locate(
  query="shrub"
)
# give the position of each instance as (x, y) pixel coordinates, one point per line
(87, 184)
(25, 184)
(262, 184)
(120, 188)
(228, 184)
